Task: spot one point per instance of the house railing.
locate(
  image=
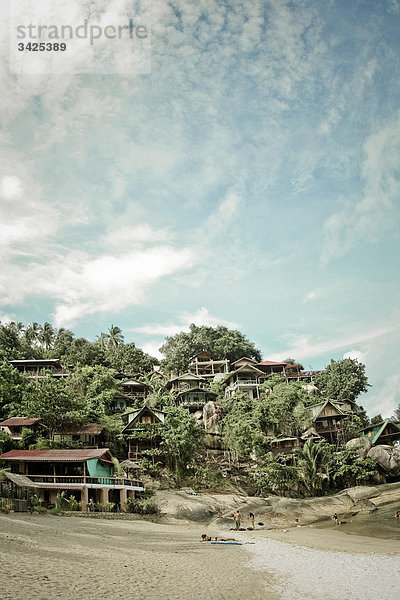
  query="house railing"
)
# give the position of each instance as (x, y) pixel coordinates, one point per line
(192, 402)
(85, 479)
(244, 382)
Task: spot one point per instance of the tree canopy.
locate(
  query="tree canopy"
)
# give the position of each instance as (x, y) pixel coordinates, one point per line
(343, 380)
(221, 342)
(53, 402)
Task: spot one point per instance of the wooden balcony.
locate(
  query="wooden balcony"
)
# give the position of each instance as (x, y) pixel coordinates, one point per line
(85, 480)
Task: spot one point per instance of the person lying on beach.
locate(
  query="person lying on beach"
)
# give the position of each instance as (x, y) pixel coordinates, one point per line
(208, 538)
(337, 522)
(397, 515)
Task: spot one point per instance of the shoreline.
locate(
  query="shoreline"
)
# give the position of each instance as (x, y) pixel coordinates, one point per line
(328, 539)
(306, 563)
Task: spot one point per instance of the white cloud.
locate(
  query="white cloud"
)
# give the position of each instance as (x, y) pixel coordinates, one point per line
(128, 236)
(356, 355)
(312, 295)
(307, 346)
(152, 348)
(112, 283)
(82, 285)
(199, 317)
(388, 399)
(365, 221)
(10, 188)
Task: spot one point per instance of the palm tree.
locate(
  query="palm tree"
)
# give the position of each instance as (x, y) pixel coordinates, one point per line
(47, 335)
(102, 339)
(32, 333)
(313, 461)
(18, 328)
(114, 336)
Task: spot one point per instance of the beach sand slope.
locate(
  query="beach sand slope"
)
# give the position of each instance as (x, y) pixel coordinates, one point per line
(46, 557)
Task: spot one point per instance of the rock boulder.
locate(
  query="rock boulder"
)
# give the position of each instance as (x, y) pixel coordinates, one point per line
(363, 445)
(387, 457)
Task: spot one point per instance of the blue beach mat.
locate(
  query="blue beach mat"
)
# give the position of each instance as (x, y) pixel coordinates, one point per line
(228, 543)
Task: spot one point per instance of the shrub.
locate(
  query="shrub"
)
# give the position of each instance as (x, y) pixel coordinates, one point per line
(55, 511)
(40, 510)
(142, 507)
(5, 505)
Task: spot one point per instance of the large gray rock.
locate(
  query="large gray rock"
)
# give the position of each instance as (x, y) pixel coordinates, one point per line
(213, 441)
(273, 511)
(210, 417)
(362, 445)
(311, 390)
(387, 457)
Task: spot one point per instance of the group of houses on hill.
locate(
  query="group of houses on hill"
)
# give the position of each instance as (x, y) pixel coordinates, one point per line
(88, 472)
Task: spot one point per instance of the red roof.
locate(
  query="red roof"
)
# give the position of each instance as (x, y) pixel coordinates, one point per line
(271, 363)
(20, 421)
(54, 455)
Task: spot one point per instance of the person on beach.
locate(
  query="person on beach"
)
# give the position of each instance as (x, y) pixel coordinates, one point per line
(208, 538)
(251, 517)
(236, 518)
(337, 522)
(397, 515)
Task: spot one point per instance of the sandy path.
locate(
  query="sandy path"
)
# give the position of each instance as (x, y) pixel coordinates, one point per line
(45, 557)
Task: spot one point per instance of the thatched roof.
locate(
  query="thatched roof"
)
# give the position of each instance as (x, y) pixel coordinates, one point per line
(129, 464)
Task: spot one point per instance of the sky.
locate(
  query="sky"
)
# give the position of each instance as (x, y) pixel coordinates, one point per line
(240, 166)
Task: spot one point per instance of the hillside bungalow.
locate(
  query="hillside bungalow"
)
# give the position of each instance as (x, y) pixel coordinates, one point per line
(187, 381)
(284, 445)
(287, 445)
(120, 403)
(328, 420)
(195, 398)
(245, 379)
(386, 432)
(203, 365)
(86, 436)
(143, 439)
(270, 367)
(137, 390)
(42, 367)
(88, 475)
(292, 372)
(289, 372)
(13, 426)
(244, 362)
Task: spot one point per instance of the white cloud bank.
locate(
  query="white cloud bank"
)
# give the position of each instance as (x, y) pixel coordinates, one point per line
(199, 317)
(368, 219)
(82, 284)
(308, 346)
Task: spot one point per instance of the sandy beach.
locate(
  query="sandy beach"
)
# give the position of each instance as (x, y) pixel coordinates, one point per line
(45, 557)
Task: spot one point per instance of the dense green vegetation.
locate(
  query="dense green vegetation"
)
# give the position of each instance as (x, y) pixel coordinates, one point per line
(246, 426)
(220, 342)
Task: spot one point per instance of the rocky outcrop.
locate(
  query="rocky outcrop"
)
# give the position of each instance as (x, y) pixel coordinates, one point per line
(362, 445)
(210, 417)
(388, 457)
(273, 511)
(311, 390)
